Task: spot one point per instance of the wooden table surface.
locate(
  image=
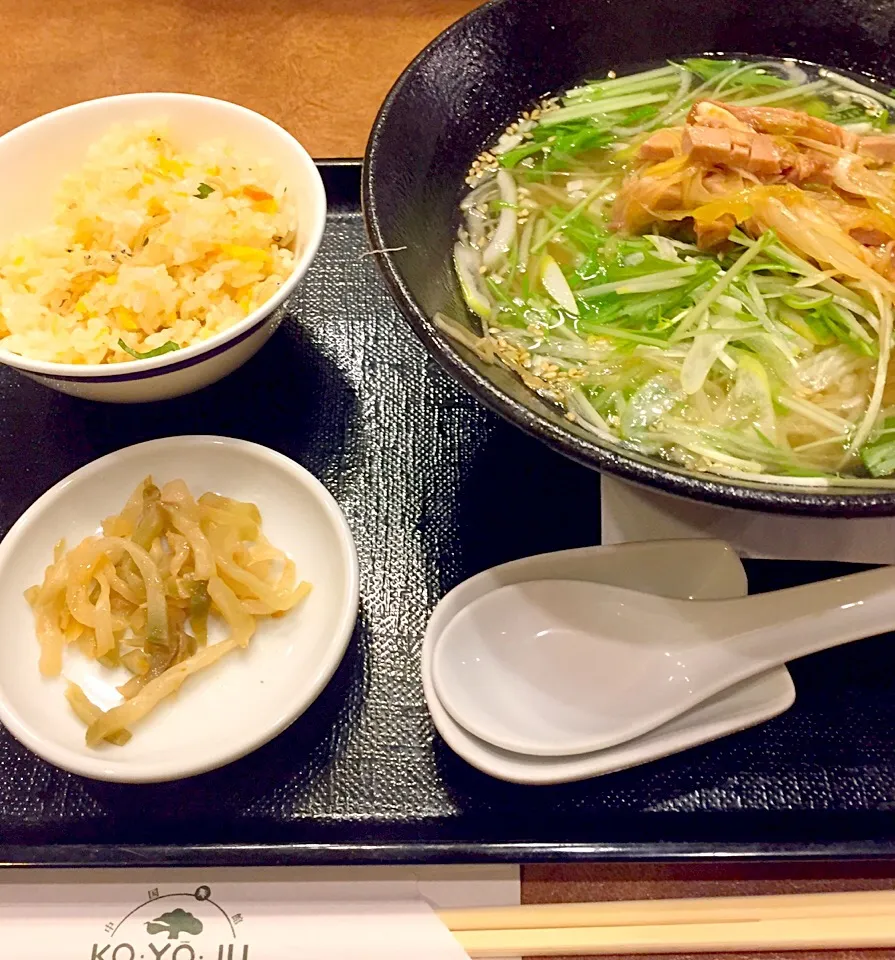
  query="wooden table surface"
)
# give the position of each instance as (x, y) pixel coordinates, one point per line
(320, 68)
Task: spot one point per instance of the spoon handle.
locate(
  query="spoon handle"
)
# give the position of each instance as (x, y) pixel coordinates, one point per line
(787, 624)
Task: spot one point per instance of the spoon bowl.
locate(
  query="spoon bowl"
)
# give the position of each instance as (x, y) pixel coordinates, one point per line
(696, 569)
(565, 667)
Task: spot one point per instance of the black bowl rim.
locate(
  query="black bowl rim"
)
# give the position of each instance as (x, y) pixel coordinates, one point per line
(629, 466)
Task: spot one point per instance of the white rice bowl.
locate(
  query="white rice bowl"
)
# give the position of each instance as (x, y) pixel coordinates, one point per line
(151, 248)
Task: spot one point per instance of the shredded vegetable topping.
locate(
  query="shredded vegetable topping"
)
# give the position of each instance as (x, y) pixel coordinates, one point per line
(141, 595)
(698, 263)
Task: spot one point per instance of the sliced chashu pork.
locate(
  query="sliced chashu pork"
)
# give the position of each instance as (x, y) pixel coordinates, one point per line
(742, 150)
(759, 144)
(879, 148)
(758, 152)
(662, 145)
(780, 122)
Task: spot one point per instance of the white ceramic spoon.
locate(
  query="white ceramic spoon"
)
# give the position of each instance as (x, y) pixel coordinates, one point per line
(563, 667)
(695, 569)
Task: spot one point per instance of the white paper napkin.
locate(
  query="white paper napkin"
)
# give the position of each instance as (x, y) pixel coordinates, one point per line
(285, 914)
(633, 513)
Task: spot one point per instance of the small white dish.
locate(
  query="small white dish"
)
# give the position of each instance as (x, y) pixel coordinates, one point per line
(37, 155)
(698, 569)
(248, 697)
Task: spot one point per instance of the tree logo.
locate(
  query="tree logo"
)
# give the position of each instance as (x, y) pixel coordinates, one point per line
(188, 925)
(174, 923)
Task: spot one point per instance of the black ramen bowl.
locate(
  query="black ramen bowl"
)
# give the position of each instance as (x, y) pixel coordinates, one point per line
(460, 93)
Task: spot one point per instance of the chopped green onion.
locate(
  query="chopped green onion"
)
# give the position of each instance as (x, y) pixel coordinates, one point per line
(712, 295)
(638, 115)
(709, 70)
(878, 453)
(600, 107)
(512, 157)
(791, 93)
(803, 303)
(661, 77)
(168, 347)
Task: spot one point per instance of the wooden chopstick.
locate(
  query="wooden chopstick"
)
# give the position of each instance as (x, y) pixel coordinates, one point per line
(693, 910)
(807, 933)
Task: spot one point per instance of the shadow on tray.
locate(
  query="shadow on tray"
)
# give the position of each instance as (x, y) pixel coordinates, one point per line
(500, 495)
(291, 397)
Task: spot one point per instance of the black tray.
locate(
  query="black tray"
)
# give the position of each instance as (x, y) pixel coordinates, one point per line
(345, 389)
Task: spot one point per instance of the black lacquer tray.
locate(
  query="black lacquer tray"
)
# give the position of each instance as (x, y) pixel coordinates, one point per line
(436, 488)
